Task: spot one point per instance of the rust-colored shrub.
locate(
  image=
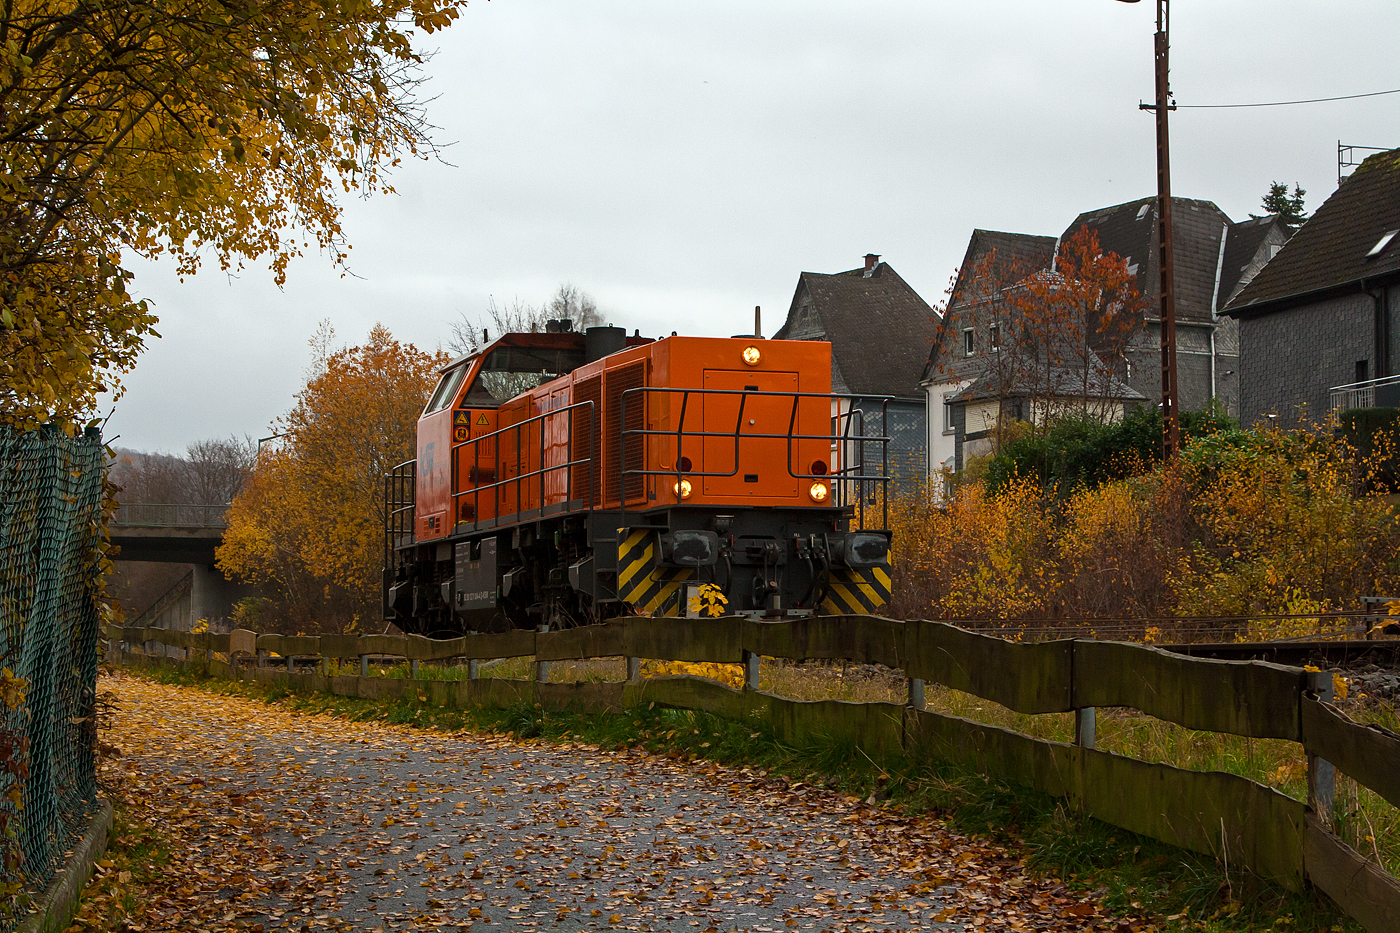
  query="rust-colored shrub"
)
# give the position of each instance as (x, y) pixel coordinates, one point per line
(1279, 528)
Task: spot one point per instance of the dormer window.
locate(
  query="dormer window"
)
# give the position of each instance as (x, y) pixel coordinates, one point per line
(969, 346)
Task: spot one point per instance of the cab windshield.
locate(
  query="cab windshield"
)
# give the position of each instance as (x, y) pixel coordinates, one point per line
(446, 389)
(508, 371)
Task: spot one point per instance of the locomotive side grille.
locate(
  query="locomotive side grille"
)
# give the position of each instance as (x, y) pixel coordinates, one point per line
(586, 439)
(631, 455)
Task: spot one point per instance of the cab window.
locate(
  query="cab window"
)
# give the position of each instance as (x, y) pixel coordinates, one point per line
(446, 389)
(508, 371)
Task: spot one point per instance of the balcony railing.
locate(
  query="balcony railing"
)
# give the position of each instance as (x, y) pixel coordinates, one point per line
(176, 515)
(1360, 394)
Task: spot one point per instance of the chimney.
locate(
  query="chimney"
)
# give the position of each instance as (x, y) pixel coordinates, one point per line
(871, 261)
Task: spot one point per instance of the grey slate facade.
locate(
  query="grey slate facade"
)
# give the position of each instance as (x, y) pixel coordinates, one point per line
(1325, 312)
(1295, 355)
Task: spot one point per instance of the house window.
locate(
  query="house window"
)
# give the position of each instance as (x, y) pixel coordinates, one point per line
(994, 337)
(947, 413)
(1361, 367)
(968, 345)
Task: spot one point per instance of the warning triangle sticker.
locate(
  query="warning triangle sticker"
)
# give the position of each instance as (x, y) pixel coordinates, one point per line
(483, 419)
(462, 417)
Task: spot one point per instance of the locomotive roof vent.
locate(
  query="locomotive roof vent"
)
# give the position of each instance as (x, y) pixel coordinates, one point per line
(599, 342)
(561, 326)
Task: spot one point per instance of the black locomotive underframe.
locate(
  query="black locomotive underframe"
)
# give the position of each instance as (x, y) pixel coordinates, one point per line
(561, 570)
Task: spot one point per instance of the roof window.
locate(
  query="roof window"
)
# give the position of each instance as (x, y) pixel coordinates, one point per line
(1142, 211)
(1382, 244)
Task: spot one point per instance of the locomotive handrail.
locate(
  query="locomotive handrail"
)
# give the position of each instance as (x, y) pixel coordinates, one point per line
(840, 477)
(520, 478)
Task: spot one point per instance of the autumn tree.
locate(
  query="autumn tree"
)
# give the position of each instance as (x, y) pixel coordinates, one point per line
(179, 127)
(1056, 337)
(309, 525)
(472, 332)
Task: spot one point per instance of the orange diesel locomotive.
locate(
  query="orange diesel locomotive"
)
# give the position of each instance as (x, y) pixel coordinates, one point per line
(564, 478)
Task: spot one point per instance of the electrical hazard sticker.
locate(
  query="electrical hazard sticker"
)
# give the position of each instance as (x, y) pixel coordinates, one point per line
(483, 419)
(462, 417)
(461, 432)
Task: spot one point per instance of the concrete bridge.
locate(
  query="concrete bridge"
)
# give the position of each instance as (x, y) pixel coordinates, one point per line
(178, 533)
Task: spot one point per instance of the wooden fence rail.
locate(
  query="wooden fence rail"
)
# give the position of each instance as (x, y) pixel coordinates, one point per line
(1223, 815)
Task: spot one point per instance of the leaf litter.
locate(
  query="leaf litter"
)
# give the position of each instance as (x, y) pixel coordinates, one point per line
(275, 819)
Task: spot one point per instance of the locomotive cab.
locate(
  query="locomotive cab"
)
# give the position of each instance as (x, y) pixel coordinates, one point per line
(564, 478)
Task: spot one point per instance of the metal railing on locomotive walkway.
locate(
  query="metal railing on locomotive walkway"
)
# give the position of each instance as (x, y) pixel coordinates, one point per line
(853, 485)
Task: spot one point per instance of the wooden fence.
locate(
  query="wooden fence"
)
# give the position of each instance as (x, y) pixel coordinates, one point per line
(1223, 815)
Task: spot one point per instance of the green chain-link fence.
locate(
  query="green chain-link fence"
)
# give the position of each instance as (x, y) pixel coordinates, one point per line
(50, 569)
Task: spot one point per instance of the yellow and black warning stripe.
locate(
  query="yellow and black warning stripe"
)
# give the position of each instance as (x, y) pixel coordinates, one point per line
(650, 589)
(856, 592)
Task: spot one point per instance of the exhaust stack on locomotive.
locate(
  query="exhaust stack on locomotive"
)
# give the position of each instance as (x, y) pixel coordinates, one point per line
(567, 478)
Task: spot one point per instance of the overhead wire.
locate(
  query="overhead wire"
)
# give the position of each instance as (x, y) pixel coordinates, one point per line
(1283, 103)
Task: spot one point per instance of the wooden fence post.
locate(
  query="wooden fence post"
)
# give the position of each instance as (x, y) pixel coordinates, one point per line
(364, 665)
(634, 670)
(412, 668)
(751, 670)
(916, 693)
(542, 667)
(473, 669)
(1321, 775)
(1084, 727)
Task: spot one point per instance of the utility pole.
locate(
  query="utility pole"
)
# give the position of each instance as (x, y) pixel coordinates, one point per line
(1171, 432)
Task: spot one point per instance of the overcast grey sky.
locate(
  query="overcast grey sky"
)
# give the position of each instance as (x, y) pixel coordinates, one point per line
(684, 161)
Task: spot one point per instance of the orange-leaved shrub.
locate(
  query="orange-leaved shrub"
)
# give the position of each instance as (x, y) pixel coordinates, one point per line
(1277, 527)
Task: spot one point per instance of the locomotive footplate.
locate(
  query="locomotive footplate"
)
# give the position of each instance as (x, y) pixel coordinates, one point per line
(662, 572)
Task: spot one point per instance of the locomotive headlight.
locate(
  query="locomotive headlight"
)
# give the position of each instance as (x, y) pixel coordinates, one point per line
(818, 492)
(683, 489)
(752, 356)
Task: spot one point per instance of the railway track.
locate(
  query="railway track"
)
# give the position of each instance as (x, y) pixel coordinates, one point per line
(1329, 654)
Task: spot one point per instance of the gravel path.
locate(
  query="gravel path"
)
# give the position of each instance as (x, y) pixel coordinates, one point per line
(289, 821)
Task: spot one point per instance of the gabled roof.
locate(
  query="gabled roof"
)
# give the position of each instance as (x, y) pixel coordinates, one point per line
(878, 327)
(1025, 250)
(1059, 382)
(1130, 230)
(1242, 247)
(1330, 250)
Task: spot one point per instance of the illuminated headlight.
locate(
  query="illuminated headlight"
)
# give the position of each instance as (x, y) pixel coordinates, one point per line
(683, 489)
(818, 492)
(752, 356)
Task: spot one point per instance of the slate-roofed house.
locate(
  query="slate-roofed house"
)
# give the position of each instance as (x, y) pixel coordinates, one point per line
(1207, 346)
(977, 409)
(1215, 258)
(955, 360)
(1248, 248)
(1320, 324)
(879, 330)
